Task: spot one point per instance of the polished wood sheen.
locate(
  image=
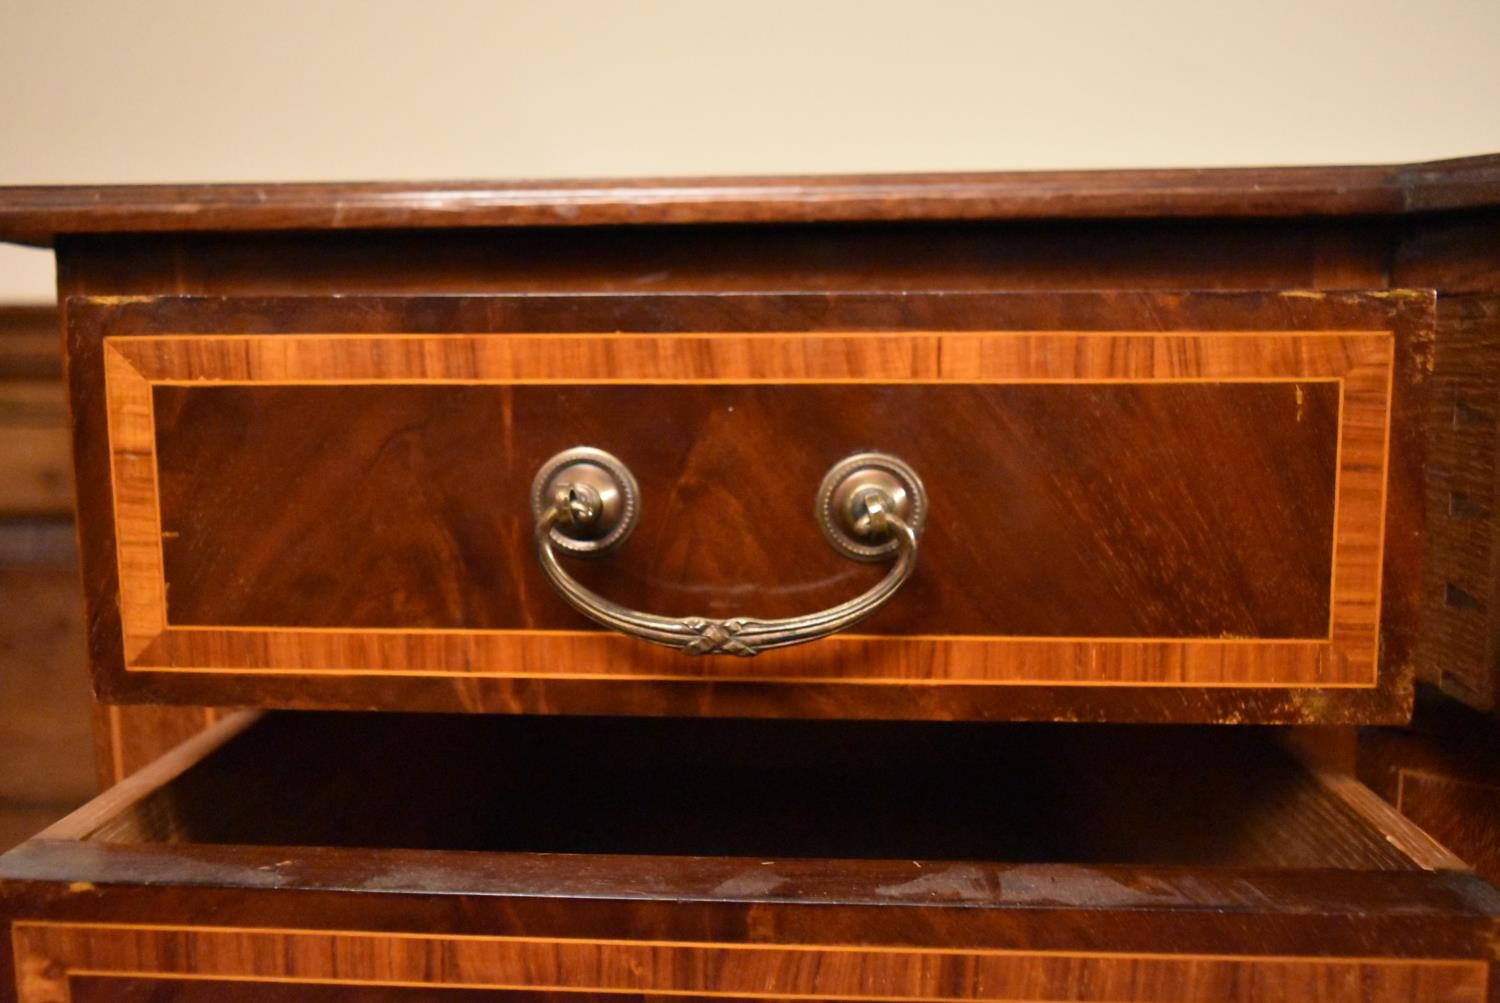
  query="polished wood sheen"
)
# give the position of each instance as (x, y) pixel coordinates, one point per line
(128, 989)
(304, 422)
(52, 952)
(1211, 985)
(1203, 478)
(718, 468)
(41, 215)
(129, 737)
(721, 251)
(678, 865)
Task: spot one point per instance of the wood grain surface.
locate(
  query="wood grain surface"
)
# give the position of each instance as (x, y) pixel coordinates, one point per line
(129, 989)
(1272, 453)
(1443, 773)
(1462, 813)
(1058, 232)
(365, 498)
(127, 738)
(1314, 898)
(47, 954)
(40, 215)
(1292, 886)
(1459, 254)
(1460, 651)
(1207, 435)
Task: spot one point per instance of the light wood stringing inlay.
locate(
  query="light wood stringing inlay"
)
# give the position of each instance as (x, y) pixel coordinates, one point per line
(1362, 362)
(47, 955)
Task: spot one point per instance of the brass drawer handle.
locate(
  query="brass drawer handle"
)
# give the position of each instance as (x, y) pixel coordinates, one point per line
(870, 506)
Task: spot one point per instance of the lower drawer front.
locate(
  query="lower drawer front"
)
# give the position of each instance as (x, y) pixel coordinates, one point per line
(1135, 507)
(329, 857)
(147, 964)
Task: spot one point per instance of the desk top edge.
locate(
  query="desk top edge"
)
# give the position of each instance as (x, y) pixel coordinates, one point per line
(38, 215)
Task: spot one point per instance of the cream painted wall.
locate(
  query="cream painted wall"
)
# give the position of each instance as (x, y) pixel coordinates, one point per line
(209, 90)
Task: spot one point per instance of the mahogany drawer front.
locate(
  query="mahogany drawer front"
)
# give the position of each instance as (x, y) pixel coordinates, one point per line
(1142, 507)
(831, 860)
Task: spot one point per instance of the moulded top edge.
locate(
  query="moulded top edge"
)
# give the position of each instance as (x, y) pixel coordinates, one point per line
(38, 215)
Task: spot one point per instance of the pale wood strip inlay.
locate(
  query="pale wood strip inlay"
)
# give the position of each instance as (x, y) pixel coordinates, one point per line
(46, 955)
(948, 356)
(1361, 361)
(132, 440)
(842, 659)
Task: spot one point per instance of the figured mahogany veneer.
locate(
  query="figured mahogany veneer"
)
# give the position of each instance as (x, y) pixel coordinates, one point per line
(1180, 474)
(101, 954)
(865, 255)
(1185, 492)
(868, 255)
(750, 860)
(719, 465)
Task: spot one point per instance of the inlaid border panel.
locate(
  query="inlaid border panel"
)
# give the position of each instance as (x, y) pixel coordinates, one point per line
(47, 955)
(1360, 362)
